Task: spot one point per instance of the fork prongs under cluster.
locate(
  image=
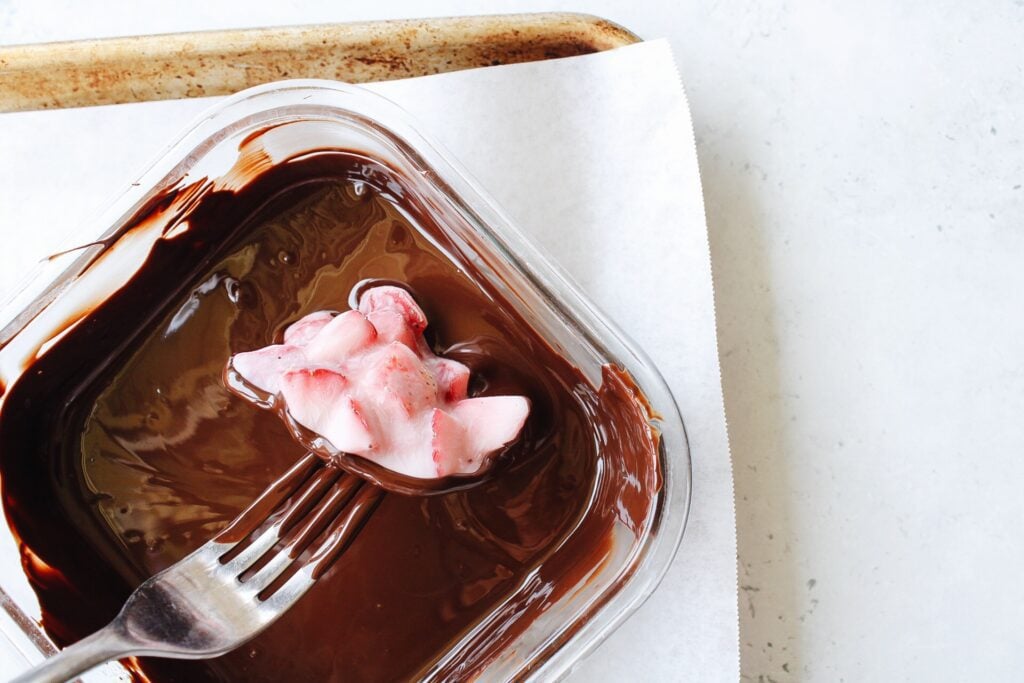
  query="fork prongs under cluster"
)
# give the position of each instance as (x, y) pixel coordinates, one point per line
(315, 503)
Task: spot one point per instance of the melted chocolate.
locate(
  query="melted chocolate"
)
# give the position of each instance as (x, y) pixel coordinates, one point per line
(121, 450)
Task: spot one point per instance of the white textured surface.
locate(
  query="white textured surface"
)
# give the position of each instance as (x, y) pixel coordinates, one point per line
(862, 167)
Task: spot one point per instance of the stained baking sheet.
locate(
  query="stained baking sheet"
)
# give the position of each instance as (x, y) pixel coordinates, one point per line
(200, 64)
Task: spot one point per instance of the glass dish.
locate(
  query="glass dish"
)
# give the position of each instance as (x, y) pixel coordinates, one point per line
(295, 117)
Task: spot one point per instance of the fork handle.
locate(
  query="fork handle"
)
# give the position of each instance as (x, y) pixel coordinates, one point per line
(103, 646)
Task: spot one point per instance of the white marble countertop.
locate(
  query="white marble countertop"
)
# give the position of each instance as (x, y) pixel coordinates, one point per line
(863, 166)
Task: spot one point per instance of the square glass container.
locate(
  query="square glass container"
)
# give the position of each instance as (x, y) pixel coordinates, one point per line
(299, 117)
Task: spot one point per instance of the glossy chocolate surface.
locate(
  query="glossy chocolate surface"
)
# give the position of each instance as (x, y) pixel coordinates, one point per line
(121, 450)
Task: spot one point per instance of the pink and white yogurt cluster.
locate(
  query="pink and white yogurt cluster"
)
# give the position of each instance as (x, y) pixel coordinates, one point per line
(366, 381)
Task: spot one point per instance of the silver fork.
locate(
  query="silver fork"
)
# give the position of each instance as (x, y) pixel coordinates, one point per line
(237, 584)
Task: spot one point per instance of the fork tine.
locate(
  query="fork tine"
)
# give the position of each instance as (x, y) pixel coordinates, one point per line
(310, 498)
(254, 551)
(313, 491)
(292, 589)
(344, 528)
(340, 533)
(269, 500)
(300, 538)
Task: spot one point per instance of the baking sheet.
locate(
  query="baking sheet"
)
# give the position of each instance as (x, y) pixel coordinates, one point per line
(201, 63)
(592, 155)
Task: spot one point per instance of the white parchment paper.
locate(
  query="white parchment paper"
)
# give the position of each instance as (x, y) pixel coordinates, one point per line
(592, 155)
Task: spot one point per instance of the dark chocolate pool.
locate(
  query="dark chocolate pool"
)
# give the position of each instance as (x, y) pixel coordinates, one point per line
(121, 450)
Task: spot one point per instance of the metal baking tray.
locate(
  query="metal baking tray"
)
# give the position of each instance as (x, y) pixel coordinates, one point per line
(176, 66)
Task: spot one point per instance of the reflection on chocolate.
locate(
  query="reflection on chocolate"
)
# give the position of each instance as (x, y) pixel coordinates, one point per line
(121, 450)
